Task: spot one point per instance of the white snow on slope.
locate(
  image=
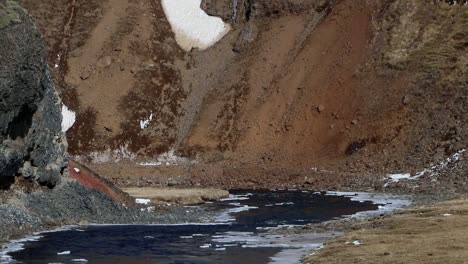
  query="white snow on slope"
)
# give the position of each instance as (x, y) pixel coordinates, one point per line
(109, 155)
(168, 159)
(193, 28)
(146, 122)
(433, 170)
(68, 118)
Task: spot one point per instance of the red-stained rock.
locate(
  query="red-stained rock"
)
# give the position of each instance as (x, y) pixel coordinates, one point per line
(92, 180)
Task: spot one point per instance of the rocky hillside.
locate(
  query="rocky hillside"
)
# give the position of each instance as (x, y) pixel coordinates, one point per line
(356, 87)
(35, 192)
(32, 143)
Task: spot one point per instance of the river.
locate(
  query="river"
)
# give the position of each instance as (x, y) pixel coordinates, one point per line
(241, 233)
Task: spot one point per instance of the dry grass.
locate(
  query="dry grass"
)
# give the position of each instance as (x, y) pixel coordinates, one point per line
(177, 196)
(424, 235)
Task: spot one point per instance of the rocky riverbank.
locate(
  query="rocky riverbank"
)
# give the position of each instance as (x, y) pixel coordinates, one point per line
(70, 203)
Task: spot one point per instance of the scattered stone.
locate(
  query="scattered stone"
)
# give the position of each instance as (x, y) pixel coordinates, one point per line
(105, 62)
(85, 75)
(76, 53)
(172, 182)
(354, 122)
(406, 99)
(134, 70)
(320, 108)
(149, 65)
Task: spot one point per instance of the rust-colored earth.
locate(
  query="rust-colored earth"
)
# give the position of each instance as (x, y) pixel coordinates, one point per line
(313, 94)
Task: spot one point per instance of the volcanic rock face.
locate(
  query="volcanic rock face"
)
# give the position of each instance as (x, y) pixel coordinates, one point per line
(32, 144)
(239, 11)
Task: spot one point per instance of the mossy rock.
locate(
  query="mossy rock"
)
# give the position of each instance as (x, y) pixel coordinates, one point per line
(9, 13)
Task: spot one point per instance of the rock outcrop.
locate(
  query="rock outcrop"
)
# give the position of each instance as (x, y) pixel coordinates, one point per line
(32, 143)
(240, 11)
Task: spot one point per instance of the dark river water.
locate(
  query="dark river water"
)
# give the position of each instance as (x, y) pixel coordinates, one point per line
(238, 235)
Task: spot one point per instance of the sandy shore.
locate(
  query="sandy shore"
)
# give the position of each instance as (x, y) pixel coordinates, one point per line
(177, 196)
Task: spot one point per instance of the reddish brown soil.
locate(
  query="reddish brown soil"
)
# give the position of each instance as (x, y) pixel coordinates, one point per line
(355, 88)
(93, 181)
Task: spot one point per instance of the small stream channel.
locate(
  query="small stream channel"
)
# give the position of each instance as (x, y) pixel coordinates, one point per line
(241, 233)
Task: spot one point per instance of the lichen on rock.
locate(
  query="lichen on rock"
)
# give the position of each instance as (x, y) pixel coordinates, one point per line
(9, 13)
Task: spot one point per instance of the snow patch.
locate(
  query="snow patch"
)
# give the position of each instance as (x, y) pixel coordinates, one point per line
(76, 170)
(116, 155)
(193, 28)
(433, 170)
(148, 209)
(57, 61)
(68, 118)
(169, 159)
(146, 122)
(64, 253)
(142, 201)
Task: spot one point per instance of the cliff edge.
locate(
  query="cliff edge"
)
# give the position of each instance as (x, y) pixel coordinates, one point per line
(32, 143)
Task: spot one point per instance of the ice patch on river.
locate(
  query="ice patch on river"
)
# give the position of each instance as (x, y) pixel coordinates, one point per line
(237, 197)
(15, 245)
(193, 28)
(18, 244)
(387, 202)
(226, 216)
(293, 246)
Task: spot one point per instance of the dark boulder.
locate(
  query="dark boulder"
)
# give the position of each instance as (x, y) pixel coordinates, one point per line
(32, 144)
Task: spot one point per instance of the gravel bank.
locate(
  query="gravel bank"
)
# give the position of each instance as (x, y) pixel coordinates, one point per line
(70, 203)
